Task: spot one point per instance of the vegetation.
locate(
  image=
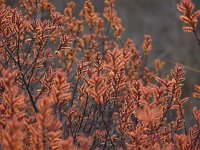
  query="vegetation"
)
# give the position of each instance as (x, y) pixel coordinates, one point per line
(70, 82)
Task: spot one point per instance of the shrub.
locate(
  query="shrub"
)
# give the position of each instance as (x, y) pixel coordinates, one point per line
(70, 82)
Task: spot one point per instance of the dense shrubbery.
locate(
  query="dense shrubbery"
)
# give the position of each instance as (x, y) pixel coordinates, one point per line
(72, 83)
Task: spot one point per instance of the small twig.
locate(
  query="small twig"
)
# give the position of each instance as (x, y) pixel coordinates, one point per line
(74, 93)
(196, 36)
(107, 130)
(23, 79)
(187, 67)
(169, 103)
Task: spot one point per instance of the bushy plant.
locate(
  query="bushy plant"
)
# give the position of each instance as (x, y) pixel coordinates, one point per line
(69, 81)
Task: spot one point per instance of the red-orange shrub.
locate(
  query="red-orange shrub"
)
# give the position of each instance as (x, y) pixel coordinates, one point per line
(70, 82)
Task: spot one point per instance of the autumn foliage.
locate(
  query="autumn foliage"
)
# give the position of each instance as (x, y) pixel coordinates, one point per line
(69, 81)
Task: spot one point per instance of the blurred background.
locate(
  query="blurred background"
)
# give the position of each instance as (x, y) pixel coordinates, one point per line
(160, 19)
